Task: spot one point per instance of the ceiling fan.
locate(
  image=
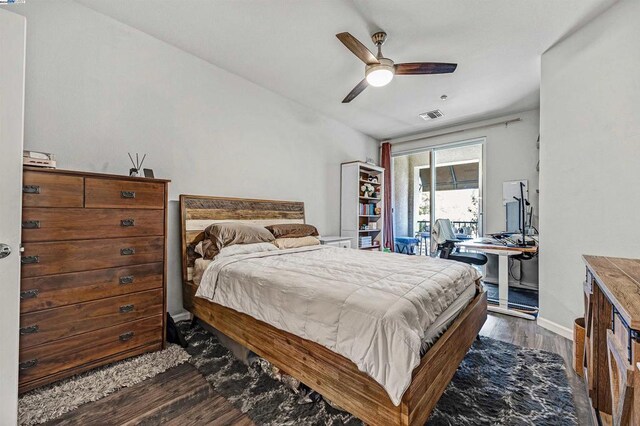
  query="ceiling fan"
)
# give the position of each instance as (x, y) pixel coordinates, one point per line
(379, 71)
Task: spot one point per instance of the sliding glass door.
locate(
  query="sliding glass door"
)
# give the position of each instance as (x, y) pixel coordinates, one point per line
(442, 182)
(457, 189)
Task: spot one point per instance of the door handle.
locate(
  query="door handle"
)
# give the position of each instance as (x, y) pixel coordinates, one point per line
(127, 251)
(126, 336)
(28, 364)
(5, 250)
(127, 222)
(26, 260)
(127, 194)
(126, 308)
(29, 294)
(127, 279)
(31, 224)
(31, 189)
(29, 330)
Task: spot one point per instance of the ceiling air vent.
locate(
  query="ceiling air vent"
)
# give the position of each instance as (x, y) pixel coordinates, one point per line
(431, 115)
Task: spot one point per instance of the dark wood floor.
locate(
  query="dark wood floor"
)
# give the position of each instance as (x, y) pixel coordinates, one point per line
(182, 397)
(178, 397)
(529, 334)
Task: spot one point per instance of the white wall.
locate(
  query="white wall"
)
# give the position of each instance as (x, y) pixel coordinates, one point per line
(510, 154)
(589, 156)
(97, 89)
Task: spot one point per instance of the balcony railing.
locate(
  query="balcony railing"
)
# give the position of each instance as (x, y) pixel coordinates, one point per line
(458, 225)
(462, 227)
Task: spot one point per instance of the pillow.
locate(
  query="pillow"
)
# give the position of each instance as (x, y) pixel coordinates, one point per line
(199, 249)
(238, 249)
(220, 235)
(286, 243)
(199, 267)
(293, 230)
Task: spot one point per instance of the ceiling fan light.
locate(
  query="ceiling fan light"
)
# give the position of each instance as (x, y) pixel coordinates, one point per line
(380, 74)
(379, 77)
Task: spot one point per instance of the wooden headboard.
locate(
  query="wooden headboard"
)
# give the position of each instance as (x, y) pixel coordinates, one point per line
(199, 211)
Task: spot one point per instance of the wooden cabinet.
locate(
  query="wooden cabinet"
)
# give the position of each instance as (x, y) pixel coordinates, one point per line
(93, 272)
(612, 342)
(123, 193)
(52, 190)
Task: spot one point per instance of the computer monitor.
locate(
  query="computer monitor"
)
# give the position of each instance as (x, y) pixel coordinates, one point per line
(513, 216)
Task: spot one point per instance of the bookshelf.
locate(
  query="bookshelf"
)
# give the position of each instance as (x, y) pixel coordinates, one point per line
(361, 215)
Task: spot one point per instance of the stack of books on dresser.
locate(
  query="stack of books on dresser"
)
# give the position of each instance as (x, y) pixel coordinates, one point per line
(365, 241)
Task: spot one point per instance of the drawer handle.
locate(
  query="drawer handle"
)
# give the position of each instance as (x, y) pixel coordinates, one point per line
(127, 279)
(28, 364)
(29, 330)
(127, 251)
(126, 308)
(127, 222)
(126, 336)
(27, 260)
(128, 194)
(31, 189)
(31, 224)
(29, 294)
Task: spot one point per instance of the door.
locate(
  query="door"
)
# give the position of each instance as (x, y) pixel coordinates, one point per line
(458, 188)
(456, 193)
(12, 58)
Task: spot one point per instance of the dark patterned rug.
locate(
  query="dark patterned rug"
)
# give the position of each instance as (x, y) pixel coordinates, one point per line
(496, 384)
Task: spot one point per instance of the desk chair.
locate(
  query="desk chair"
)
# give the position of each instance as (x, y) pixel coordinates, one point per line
(443, 241)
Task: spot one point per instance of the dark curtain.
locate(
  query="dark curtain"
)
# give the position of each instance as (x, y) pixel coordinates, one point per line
(385, 158)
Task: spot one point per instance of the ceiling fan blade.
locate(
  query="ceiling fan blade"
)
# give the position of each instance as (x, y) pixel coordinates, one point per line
(357, 48)
(356, 91)
(417, 68)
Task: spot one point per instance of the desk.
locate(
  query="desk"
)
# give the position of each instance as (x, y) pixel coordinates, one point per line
(503, 253)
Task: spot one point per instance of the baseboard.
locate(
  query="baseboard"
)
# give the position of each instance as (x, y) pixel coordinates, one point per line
(181, 316)
(556, 328)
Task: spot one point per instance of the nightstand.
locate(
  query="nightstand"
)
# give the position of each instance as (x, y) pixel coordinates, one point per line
(343, 242)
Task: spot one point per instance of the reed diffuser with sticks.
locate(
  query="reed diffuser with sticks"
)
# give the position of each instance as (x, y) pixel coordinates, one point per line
(137, 165)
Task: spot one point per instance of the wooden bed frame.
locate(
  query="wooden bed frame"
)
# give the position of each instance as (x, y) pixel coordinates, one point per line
(332, 375)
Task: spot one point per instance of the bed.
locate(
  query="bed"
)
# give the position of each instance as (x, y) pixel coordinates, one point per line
(310, 360)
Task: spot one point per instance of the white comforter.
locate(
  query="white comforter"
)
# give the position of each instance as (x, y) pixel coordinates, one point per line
(371, 307)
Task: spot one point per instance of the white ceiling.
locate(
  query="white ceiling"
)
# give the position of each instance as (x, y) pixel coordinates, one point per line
(290, 48)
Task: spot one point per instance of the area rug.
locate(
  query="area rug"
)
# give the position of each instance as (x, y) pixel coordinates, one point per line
(52, 401)
(497, 384)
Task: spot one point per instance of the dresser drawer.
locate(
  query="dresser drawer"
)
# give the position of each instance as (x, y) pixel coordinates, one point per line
(53, 291)
(45, 189)
(45, 326)
(43, 224)
(65, 354)
(114, 193)
(339, 244)
(72, 256)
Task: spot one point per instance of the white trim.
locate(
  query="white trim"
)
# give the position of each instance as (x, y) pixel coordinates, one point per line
(181, 316)
(556, 328)
(444, 145)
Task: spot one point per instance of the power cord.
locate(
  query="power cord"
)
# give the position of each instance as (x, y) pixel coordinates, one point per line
(512, 262)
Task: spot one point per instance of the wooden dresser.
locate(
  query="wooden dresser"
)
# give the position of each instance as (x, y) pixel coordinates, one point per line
(93, 271)
(612, 341)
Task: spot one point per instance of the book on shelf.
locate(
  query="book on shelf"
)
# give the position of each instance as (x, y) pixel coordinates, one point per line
(367, 209)
(365, 241)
